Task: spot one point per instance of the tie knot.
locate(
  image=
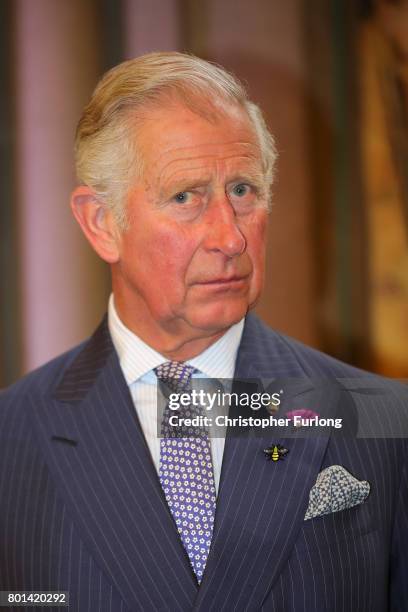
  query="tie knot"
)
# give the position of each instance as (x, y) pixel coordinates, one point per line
(175, 374)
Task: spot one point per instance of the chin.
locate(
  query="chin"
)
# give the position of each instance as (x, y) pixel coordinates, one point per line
(218, 317)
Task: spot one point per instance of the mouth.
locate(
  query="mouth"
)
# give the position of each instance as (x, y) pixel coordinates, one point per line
(230, 281)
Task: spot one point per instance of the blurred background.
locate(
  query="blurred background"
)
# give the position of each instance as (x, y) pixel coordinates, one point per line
(332, 79)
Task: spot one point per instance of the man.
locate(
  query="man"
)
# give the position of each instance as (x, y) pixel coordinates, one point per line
(175, 166)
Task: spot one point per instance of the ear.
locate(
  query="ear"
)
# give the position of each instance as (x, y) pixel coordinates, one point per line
(97, 223)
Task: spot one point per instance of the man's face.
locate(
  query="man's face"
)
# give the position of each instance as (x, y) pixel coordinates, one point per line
(192, 259)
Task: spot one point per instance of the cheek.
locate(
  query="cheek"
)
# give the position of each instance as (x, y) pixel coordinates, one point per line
(256, 240)
(160, 257)
(175, 250)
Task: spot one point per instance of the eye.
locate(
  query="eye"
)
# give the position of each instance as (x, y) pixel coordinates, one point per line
(191, 199)
(243, 195)
(183, 197)
(241, 190)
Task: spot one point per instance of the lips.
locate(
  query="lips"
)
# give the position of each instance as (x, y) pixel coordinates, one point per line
(224, 280)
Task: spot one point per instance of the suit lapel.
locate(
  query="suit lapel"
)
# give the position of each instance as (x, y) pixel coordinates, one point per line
(100, 461)
(261, 504)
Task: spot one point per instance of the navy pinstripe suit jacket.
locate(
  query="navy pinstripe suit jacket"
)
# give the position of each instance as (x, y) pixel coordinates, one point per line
(82, 510)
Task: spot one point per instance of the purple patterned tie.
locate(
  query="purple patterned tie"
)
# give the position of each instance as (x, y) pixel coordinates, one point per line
(186, 471)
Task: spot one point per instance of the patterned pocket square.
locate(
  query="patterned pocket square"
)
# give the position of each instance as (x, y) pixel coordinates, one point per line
(335, 489)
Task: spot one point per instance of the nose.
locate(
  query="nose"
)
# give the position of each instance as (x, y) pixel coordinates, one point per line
(223, 231)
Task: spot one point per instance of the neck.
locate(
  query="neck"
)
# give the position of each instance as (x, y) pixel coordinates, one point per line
(175, 342)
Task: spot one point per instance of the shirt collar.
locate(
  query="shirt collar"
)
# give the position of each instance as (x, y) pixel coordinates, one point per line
(137, 358)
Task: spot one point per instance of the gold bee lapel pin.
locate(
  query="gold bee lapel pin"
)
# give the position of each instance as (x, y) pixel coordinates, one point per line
(275, 452)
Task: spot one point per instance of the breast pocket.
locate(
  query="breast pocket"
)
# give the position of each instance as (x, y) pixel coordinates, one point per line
(344, 524)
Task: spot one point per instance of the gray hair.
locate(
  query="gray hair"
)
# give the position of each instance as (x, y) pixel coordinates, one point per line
(106, 152)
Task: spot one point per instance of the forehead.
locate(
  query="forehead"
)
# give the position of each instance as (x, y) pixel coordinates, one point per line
(176, 138)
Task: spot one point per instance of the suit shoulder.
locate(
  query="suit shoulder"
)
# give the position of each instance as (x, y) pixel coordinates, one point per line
(373, 394)
(314, 362)
(320, 363)
(44, 378)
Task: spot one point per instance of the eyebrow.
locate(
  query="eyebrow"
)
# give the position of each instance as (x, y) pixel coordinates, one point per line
(183, 184)
(257, 178)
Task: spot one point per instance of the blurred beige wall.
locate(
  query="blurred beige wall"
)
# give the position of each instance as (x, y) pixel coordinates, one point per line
(62, 284)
